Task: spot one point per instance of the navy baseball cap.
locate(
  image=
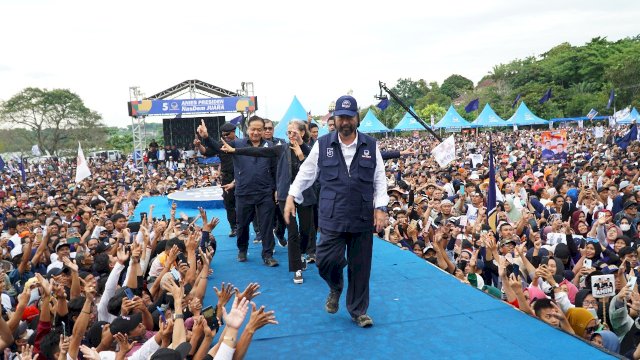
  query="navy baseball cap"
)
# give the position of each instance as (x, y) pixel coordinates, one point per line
(346, 105)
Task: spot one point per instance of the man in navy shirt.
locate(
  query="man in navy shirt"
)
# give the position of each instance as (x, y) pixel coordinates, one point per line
(254, 183)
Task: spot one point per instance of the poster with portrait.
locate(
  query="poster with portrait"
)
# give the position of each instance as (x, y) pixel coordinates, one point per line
(554, 146)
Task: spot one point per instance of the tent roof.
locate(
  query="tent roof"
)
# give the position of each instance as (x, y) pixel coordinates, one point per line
(371, 124)
(452, 120)
(524, 116)
(295, 111)
(488, 118)
(408, 123)
(583, 118)
(633, 115)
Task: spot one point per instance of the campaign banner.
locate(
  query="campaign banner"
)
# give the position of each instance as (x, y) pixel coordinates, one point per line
(599, 132)
(603, 286)
(445, 152)
(193, 106)
(554, 146)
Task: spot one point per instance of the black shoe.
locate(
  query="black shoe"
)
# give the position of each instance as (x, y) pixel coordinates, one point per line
(232, 233)
(242, 256)
(271, 262)
(311, 259)
(304, 263)
(332, 302)
(281, 240)
(364, 321)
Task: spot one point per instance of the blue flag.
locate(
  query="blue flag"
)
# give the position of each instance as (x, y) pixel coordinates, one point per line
(383, 104)
(612, 96)
(472, 106)
(632, 135)
(235, 121)
(515, 102)
(592, 114)
(546, 97)
(492, 213)
(24, 174)
(2, 164)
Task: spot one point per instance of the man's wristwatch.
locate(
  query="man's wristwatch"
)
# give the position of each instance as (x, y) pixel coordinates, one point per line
(382, 208)
(178, 316)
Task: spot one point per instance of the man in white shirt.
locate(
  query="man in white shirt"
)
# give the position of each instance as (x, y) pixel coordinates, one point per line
(349, 167)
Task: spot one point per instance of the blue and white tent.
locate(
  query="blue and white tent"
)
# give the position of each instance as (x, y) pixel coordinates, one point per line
(633, 116)
(488, 118)
(408, 123)
(523, 117)
(452, 120)
(295, 111)
(371, 124)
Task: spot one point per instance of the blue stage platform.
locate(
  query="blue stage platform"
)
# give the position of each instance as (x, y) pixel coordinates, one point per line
(419, 311)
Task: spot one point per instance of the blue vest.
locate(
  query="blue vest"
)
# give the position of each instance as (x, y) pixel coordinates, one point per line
(346, 197)
(253, 175)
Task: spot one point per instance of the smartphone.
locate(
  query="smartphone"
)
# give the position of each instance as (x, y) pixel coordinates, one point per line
(176, 274)
(209, 314)
(129, 293)
(64, 329)
(587, 263)
(534, 225)
(627, 266)
(632, 282)
(164, 217)
(142, 215)
(162, 316)
(462, 189)
(73, 240)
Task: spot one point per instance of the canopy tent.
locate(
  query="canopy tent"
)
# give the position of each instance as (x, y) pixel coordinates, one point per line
(408, 123)
(579, 118)
(523, 117)
(633, 116)
(452, 120)
(371, 124)
(295, 112)
(488, 118)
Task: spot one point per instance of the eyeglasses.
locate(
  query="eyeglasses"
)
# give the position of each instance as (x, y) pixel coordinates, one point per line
(270, 128)
(591, 329)
(590, 302)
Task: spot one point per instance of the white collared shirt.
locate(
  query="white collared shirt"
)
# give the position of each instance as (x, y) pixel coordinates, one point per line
(308, 173)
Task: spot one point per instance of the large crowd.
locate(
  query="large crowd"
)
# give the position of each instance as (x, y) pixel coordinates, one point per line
(78, 278)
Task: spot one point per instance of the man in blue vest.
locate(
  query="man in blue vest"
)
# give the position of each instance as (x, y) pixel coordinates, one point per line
(353, 199)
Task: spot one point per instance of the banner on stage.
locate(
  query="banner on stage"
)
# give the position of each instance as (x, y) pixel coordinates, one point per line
(554, 146)
(193, 106)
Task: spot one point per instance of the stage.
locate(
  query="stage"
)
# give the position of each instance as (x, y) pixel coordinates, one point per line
(419, 312)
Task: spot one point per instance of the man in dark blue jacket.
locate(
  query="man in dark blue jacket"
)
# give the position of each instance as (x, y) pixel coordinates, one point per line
(254, 180)
(353, 199)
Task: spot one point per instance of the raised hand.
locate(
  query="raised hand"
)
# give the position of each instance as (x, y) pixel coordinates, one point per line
(226, 147)
(238, 312)
(202, 130)
(260, 318)
(209, 226)
(27, 353)
(250, 292)
(225, 294)
(124, 346)
(122, 254)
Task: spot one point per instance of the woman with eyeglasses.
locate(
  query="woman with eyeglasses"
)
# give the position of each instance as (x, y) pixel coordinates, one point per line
(301, 236)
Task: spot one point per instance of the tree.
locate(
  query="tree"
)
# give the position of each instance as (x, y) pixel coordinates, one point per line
(49, 114)
(432, 109)
(455, 85)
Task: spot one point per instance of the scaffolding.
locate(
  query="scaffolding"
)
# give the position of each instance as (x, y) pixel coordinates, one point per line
(138, 130)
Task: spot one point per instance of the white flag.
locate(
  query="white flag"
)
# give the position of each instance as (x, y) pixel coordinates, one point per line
(82, 171)
(35, 150)
(445, 152)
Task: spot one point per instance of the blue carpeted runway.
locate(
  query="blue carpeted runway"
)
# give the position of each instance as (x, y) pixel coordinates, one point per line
(419, 312)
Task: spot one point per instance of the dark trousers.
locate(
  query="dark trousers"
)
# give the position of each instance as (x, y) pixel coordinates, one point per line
(331, 262)
(297, 238)
(247, 207)
(278, 223)
(229, 201)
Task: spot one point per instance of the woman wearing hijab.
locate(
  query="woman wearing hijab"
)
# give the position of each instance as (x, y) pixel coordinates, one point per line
(582, 322)
(606, 339)
(513, 213)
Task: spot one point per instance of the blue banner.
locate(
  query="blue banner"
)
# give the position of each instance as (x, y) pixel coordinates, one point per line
(193, 106)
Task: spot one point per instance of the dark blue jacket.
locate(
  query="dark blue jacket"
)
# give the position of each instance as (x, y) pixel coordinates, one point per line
(346, 197)
(288, 166)
(253, 175)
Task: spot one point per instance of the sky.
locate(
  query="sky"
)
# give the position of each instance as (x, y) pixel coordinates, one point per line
(316, 50)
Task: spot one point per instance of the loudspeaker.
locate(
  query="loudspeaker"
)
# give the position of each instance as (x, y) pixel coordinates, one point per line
(182, 131)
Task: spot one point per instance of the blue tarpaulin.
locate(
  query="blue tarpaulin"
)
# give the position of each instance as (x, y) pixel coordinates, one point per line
(488, 118)
(371, 124)
(452, 120)
(633, 116)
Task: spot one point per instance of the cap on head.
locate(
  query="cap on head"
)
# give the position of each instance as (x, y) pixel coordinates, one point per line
(346, 106)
